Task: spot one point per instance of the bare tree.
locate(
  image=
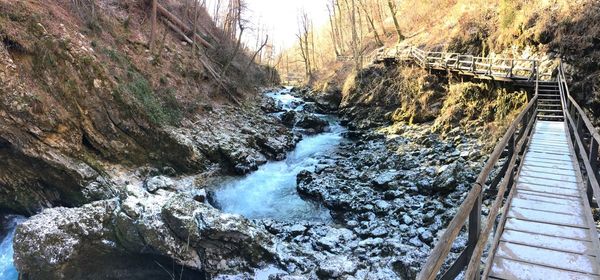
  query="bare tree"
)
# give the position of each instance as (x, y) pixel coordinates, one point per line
(258, 50)
(303, 40)
(340, 25)
(235, 23)
(153, 25)
(380, 18)
(355, 43)
(195, 23)
(333, 30)
(371, 23)
(393, 11)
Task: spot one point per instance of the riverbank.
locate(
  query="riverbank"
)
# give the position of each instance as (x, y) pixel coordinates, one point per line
(368, 201)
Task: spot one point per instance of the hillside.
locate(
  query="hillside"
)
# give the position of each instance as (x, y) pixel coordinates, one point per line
(545, 30)
(84, 99)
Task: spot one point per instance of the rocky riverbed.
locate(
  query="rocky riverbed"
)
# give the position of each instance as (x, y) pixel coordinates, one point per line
(347, 203)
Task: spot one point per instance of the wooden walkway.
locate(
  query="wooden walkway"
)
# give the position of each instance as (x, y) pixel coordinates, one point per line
(545, 171)
(549, 231)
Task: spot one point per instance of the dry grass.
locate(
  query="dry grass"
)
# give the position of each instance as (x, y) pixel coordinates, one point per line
(478, 105)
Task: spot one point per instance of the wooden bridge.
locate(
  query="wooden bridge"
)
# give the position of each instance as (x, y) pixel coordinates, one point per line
(545, 173)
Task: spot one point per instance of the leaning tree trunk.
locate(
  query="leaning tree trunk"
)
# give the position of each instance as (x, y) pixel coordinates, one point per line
(392, 7)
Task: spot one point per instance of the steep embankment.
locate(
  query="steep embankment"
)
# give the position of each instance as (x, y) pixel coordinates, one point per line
(547, 30)
(81, 94)
(380, 95)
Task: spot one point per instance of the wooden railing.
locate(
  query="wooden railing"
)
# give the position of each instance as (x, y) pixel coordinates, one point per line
(586, 144)
(513, 145)
(583, 135)
(491, 66)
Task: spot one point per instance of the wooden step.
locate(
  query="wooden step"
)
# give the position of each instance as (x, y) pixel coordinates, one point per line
(549, 95)
(548, 229)
(548, 86)
(558, 118)
(549, 100)
(549, 242)
(512, 269)
(548, 90)
(549, 111)
(549, 258)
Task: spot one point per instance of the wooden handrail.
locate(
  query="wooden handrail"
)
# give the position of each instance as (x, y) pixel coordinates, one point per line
(492, 66)
(473, 267)
(583, 134)
(586, 151)
(587, 145)
(440, 252)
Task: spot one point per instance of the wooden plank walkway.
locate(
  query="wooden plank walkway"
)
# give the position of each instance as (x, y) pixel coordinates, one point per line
(549, 231)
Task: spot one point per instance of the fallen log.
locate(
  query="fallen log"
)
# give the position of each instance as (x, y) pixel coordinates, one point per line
(182, 26)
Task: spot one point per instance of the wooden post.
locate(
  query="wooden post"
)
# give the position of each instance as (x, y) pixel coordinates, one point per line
(512, 66)
(153, 28)
(511, 144)
(473, 64)
(474, 229)
(578, 126)
(593, 156)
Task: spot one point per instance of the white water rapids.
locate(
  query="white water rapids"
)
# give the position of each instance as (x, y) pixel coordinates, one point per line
(270, 192)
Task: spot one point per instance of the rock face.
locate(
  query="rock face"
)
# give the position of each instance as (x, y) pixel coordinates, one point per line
(73, 103)
(134, 236)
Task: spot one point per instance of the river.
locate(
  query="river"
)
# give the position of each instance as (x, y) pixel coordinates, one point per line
(270, 192)
(7, 268)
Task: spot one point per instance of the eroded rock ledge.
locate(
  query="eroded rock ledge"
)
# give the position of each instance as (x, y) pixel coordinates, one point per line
(136, 236)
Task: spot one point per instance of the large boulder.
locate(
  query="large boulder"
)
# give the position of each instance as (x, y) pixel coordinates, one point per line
(447, 178)
(137, 237)
(328, 100)
(312, 123)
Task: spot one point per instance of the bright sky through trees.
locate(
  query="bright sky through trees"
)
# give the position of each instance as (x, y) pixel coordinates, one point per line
(280, 18)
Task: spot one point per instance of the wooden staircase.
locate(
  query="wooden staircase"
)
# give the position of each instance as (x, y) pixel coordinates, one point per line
(549, 102)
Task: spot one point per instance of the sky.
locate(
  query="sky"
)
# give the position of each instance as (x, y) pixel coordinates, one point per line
(280, 17)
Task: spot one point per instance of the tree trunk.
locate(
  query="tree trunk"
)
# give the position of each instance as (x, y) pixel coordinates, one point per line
(392, 7)
(340, 25)
(380, 17)
(153, 27)
(258, 51)
(333, 35)
(195, 23)
(371, 24)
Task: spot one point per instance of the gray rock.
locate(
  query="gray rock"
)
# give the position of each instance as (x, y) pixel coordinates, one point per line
(159, 182)
(379, 232)
(336, 266)
(426, 236)
(115, 238)
(312, 122)
(407, 220)
(383, 181)
(289, 118)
